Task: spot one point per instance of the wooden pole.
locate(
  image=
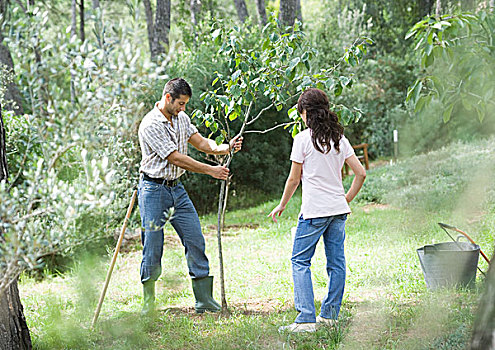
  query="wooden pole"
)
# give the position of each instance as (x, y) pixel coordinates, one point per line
(114, 259)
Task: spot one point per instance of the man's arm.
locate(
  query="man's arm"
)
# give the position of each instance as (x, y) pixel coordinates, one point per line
(209, 146)
(188, 163)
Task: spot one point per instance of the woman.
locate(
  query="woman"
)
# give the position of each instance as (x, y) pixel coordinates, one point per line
(318, 154)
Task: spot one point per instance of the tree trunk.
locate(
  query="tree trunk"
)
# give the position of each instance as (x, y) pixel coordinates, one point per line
(161, 28)
(241, 8)
(4, 171)
(12, 94)
(73, 10)
(483, 336)
(14, 332)
(438, 8)
(298, 11)
(287, 14)
(149, 22)
(424, 8)
(195, 11)
(260, 5)
(81, 18)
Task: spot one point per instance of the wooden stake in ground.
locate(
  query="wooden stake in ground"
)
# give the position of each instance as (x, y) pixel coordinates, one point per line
(114, 259)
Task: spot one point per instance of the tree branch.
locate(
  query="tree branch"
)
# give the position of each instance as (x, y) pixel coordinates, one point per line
(59, 154)
(268, 130)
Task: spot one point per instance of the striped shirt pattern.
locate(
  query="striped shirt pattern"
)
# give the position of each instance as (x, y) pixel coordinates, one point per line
(158, 138)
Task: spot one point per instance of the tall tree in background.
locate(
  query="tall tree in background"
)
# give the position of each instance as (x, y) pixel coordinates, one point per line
(288, 12)
(96, 4)
(12, 94)
(425, 7)
(260, 5)
(14, 333)
(82, 35)
(195, 11)
(298, 11)
(159, 29)
(240, 6)
(483, 336)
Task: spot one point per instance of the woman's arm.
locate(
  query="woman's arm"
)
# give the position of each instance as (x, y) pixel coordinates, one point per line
(359, 176)
(290, 187)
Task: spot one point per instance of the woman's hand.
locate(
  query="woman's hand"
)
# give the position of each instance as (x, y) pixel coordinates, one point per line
(277, 210)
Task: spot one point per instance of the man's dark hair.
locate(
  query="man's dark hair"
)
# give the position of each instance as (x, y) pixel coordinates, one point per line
(177, 87)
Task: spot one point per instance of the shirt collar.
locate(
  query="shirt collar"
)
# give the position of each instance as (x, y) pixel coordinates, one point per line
(159, 115)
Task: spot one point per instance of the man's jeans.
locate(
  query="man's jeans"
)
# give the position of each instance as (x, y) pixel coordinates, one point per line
(155, 201)
(308, 233)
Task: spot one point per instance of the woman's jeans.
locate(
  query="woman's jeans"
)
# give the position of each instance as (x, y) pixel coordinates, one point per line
(155, 204)
(308, 233)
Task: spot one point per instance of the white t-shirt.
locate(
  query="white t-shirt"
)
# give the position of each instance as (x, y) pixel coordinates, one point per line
(322, 190)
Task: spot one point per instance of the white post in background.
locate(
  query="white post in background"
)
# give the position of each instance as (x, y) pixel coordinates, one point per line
(396, 145)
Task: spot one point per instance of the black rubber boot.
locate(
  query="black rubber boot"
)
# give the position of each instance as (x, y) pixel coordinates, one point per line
(203, 292)
(148, 298)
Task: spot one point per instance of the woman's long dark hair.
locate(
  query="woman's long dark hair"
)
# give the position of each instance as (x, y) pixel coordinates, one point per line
(324, 123)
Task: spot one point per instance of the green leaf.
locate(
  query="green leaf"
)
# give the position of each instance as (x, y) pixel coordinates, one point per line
(430, 38)
(414, 91)
(244, 67)
(292, 113)
(215, 33)
(294, 63)
(236, 75)
(214, 81)
(344, 80)
(219, 139)
(233, 115)
(266, 45)
(447, 113)
(481, 114)
(295, 129)
(235, 91)
(410, 33)
(223, 99)
(214, 127)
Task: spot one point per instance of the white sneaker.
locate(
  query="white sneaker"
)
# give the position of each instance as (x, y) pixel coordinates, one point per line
(298, 328)
(322, 321)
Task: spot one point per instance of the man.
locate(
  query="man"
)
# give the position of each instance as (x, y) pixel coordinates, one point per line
(163, 135)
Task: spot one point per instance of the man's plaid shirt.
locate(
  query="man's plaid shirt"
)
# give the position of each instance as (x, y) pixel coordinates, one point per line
(158, 139)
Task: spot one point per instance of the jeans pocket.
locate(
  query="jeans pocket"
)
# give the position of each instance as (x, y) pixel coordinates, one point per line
(318, 222)
(150, 186)
(342, 217)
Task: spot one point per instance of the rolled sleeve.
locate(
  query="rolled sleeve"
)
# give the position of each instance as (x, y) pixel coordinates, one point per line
(191, 130)
(159, 141)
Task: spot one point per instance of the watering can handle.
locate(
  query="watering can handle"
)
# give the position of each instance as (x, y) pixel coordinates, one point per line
(429, 248)
(442, 225)
(445, 226)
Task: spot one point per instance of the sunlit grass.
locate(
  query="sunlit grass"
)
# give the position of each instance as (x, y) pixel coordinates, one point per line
(386, 303)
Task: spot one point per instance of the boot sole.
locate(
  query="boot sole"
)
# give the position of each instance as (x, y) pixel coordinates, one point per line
(202, 311)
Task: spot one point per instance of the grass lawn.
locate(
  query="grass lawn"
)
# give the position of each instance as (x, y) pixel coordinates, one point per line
(386, 304)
